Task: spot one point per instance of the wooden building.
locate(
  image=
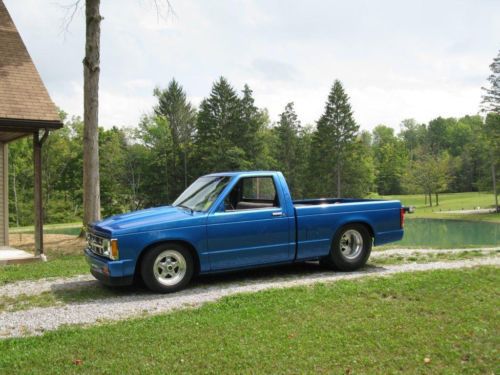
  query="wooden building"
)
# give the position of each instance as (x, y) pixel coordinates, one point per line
(26, 110)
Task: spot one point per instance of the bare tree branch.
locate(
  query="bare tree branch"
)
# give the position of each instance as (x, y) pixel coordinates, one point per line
(163, 13)
(70, 11)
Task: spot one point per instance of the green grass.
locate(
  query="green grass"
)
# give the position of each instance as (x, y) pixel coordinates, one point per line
(430, 257)
(449, 202)
(64, 265)
(65, 228)
(61, 297)
(382, 325)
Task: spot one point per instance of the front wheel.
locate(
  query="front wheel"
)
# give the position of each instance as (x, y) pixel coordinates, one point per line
(167, 268)
(350, 248)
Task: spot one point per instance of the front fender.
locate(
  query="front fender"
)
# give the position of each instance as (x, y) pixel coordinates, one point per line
(132, 245)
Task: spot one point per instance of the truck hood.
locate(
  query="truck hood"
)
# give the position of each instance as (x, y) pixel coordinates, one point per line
(157, 218)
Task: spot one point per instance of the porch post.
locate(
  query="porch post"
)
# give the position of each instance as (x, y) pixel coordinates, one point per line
(37, 158)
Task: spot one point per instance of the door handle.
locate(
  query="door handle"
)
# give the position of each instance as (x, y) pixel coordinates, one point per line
(279, 213)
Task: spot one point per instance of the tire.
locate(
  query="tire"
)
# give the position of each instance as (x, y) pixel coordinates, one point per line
(350, 249)
(167, 268)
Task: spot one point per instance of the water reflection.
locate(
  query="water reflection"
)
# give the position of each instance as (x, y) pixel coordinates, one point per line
(450, 233)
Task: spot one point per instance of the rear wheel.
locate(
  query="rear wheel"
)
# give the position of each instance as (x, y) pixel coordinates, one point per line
(167, 268)
(350, 249)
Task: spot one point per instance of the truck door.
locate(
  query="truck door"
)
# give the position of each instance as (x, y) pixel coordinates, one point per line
(250, 227)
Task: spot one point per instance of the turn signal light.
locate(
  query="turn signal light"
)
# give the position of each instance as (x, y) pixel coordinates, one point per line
(114, 249)
(402, 217)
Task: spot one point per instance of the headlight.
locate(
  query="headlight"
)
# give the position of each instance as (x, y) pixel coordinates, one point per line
(110, 248)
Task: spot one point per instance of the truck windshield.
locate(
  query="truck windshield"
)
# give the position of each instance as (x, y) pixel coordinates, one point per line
(200, 195)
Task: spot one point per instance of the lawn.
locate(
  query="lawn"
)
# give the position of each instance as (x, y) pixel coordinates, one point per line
(432, 322)
(449, 202)
(64, 228)
(59, 266)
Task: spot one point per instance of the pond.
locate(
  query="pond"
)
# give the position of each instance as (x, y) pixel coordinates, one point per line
(418, 232)
(450, 233)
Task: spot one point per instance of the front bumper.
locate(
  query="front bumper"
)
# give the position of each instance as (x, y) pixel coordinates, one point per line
(110, 272)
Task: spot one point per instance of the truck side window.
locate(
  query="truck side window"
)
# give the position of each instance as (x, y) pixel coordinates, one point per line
(252, 193)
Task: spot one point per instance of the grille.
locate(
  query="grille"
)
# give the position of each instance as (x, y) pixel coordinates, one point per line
(96, 244)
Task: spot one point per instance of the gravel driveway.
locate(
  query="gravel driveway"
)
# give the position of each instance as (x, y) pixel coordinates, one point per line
(37, 320)
(33, 287)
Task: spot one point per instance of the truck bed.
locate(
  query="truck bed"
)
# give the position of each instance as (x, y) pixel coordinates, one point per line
(318, 201)
(317, 220)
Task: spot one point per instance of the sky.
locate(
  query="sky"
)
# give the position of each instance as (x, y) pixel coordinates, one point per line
(397, 59)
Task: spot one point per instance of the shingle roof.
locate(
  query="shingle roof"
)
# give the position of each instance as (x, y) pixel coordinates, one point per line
(23, 95)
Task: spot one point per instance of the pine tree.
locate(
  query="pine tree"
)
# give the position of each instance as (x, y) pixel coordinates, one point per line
(491, 105)
(491, 98)
(250, 138)
(218, 131)
(336, 131)
(492, 136)
(286, 149)
(174, 106)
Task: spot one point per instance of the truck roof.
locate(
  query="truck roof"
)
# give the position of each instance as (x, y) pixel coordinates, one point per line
(238, 173)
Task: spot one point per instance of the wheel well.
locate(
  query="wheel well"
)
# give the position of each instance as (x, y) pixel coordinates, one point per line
(185, 244)
(366, 225)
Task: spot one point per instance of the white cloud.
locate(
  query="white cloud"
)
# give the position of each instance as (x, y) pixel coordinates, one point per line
(396, 59)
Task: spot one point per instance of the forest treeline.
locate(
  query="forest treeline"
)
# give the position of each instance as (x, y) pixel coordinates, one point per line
(150, 164)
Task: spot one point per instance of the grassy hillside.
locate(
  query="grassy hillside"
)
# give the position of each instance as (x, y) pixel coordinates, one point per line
(448, 202)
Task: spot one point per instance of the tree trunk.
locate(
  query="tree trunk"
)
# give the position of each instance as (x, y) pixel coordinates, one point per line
(430, 199)
(339, 191)
(425, 195)
(437, 199)
(185, 171)
(167, 179)
(91, 193)
(494, 177)
(14, 190)
(37, 192)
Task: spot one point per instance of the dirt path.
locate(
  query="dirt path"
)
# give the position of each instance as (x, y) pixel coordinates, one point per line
(38, 320)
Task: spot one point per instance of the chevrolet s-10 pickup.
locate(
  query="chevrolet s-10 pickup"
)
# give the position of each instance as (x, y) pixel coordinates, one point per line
(236, 220)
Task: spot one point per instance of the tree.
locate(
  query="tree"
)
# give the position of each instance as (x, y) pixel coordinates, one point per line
(20, 182)
(491, 103)
(91, 186)
(91, 72)
(219, 131)
(181, 116)
(413, 135)
(430, 174)
(491, 97)
(114, 188)
(492, 136)
(390, 160)
(155, 134)
(437, 135)
(253, 121)
(286, 150)
(336, 130)
(358, 171)
(468, 154)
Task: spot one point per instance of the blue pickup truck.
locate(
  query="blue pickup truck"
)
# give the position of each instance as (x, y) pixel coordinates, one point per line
(235, 220)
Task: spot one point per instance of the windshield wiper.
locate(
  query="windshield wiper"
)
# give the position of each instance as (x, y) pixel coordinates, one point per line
(186, 207)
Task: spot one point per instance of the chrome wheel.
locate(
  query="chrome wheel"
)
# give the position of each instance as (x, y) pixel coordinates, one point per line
(169, 267)
(351, 244)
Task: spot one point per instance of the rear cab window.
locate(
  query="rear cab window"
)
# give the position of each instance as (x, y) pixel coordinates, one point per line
(252, 193)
